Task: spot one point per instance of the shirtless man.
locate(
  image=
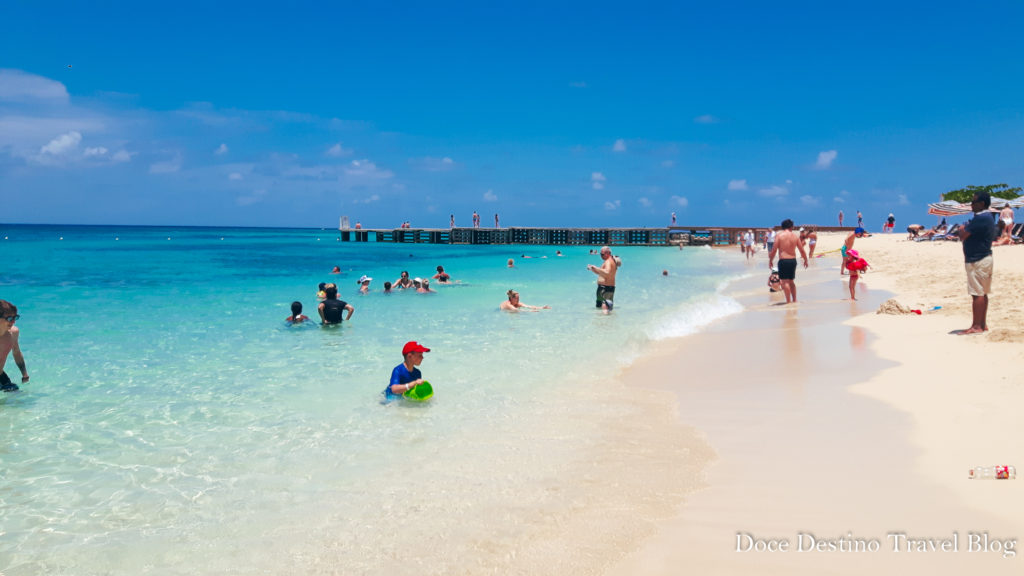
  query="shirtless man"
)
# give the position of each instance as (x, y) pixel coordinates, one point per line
(787, 243)
(847, 246)
(9, 343)
(605, 279)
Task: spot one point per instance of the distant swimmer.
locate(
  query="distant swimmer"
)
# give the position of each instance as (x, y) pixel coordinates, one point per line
(559, 253)
(331, 309)
(442, 277)
(424, 287)
(364, 284)
(336, 270)
(296, 317)
(406, 375)
(606, 279)
(664, 272)
(514, 305)
(511, 263)
(387, 287)
(403, 282)
(9, 334)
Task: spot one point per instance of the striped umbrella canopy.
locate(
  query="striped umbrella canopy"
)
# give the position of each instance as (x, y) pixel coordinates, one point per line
(948, 208)
(954, 208)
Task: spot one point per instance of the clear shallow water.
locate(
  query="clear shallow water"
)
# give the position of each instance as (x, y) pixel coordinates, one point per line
(174, 424)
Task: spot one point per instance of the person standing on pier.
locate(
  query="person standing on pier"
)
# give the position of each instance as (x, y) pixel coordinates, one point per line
(673, 218)
(496, 220)
(451, 220)
(476, 219)
(605, 279)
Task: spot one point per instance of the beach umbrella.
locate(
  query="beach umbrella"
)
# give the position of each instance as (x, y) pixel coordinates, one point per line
(948, 208)
(1000, 203)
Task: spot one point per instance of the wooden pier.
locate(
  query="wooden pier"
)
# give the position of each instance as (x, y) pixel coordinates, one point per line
(670, 236)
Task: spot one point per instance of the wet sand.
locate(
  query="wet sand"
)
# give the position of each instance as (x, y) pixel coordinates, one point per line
(828, 421)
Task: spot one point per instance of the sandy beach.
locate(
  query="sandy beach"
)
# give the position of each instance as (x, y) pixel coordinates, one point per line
(838, 428)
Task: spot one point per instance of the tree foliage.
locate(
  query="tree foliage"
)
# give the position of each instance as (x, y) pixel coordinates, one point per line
(965, 195)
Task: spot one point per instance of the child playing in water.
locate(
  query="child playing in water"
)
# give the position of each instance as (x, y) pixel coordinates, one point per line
(296, 317)
(855, 264)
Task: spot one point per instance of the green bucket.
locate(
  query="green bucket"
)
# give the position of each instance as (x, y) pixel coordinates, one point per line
(421, 393)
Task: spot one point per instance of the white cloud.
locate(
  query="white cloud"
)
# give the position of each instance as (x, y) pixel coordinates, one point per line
(490, 196)
(839, 200)
(706, 119)
(433, 164)
(789, 181)
(234, 176)
(98, 151)
(808, 200)
(62, 144)
(773, 191)
(740, 184)
(368, 199)
(221, 150)
(123, 156)
(578, 84)
(18, 86)
(366, 169)
(167, 166)
(825, 159)
(337, 151)
(645, 202)
(668, 163)
(680, 201)
(620, 145)
(597, 180)
(903, 200)
(613, 205)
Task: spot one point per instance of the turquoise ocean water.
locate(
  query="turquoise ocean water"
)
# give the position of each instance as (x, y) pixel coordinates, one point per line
(175, 424)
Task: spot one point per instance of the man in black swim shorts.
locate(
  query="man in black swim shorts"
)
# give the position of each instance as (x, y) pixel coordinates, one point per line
(605, 279)
(786, 245)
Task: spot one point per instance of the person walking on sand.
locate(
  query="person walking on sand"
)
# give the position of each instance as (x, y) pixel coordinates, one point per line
(840, 218)
(496, 220)
(812, 241)
(476, 219)
(748, 244)
(787, 243)
(977, 238)
(860, 219)
(605, 279)
(673, 218)
(9, 345)
(451, 220)
(847, 246)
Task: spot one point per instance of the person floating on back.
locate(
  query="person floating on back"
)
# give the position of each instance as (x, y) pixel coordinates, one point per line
(297, 316)
(406, 375)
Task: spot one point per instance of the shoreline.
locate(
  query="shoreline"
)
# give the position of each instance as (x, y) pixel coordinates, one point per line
(834, 447)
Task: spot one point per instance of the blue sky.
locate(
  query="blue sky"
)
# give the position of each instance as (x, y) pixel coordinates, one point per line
(548, 113)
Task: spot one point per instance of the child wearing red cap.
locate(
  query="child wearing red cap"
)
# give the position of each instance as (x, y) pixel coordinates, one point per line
(406, 375)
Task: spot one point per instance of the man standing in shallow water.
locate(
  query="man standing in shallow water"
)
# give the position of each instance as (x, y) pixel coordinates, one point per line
(786, 245)
(605, 279)
(9, 343)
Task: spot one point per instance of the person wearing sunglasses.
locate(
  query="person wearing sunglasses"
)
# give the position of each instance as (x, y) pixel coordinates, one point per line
(9, 343)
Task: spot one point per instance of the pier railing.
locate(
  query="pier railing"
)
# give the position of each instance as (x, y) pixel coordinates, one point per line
(670, 236)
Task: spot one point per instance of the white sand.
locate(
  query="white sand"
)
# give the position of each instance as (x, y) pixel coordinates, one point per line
(833, 420)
